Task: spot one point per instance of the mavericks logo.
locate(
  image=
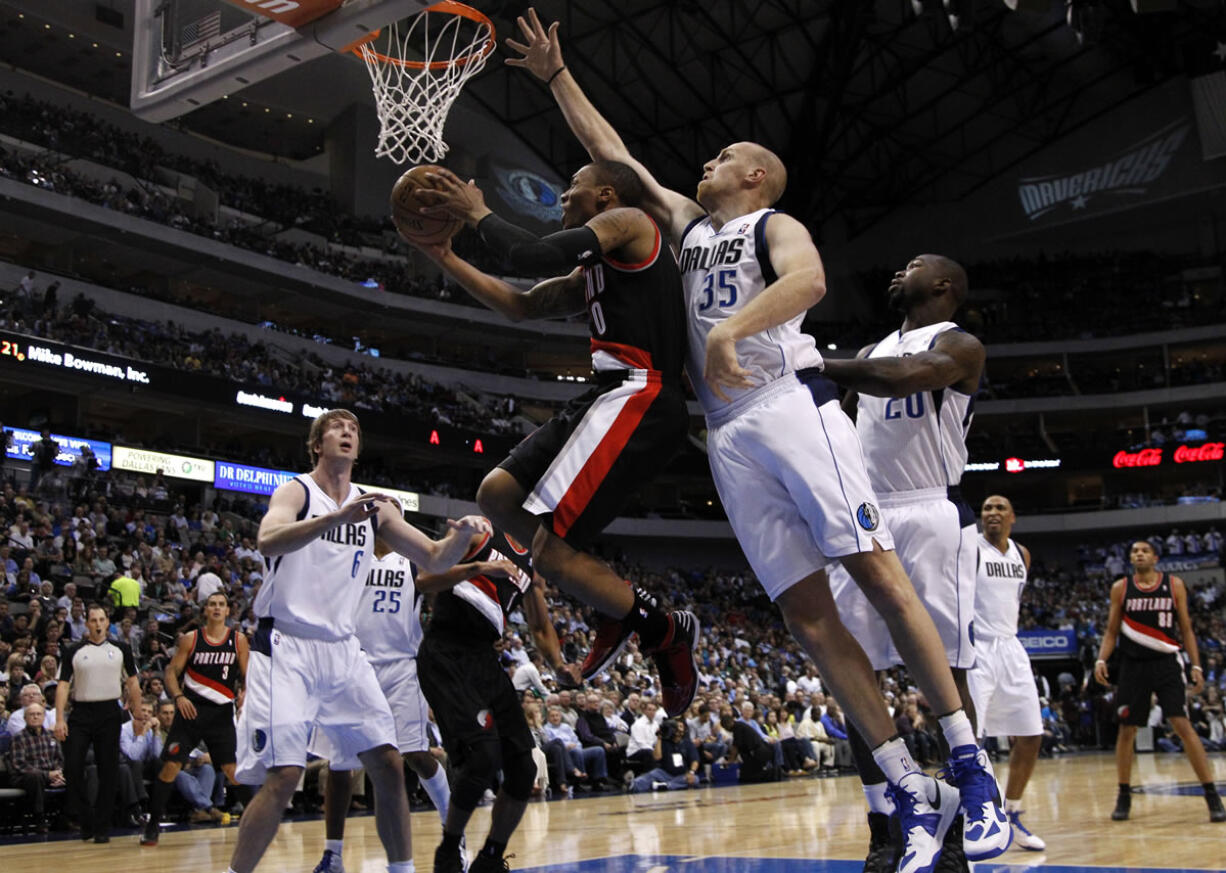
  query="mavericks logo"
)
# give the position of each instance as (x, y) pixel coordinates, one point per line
(259, 740)
(1127, 174)
(529, 194)
(868, 516)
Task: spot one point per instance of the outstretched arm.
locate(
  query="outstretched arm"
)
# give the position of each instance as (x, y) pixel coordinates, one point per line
(433, 556)
(956, 360)
(542, 56)
(553, 297)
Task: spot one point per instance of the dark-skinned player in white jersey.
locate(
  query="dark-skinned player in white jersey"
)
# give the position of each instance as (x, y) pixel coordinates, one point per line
(912, 397)
(565, 482)
(1146, 607)
(795, 502)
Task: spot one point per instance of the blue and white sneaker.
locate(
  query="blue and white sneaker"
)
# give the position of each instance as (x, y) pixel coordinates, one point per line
(987, 832)
(926, 809)
(1022, 835)
(330, 863)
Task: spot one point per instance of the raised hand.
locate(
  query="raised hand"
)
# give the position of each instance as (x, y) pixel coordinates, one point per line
(363, 507)
(471, 524)
(542, 54)
(450, 196)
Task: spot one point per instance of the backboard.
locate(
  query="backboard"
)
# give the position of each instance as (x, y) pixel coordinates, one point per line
(187, 53)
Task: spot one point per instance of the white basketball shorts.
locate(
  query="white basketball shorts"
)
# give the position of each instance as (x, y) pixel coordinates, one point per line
(398, 681)
(297, 687)
(1003, 689)
(790, 473)
(939, 555)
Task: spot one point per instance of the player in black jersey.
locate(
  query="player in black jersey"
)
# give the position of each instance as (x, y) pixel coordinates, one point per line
(212, 661)
(479, 713)
(1146, 608)
(562, 485)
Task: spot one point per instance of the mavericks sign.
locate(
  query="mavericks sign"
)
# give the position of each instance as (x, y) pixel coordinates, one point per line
(1120, 178)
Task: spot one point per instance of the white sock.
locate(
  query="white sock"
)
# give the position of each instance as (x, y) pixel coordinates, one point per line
(894, 760)
(401, 867)
(438, 791)
(878, 800)
(1012, 805)
(958, 730)
(333, 846)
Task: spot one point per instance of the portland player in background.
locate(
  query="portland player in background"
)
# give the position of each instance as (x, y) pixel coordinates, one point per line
(1146, 609)
(306, 669)
(479, 713)
(562, 485)
(1001, 681)
(389, 629)
(212, 662)
(785, 459)
(912, 396)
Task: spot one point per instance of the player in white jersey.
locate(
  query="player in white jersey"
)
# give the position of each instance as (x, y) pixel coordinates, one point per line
(306, 671)
(389, 629)
(794, 501)
(1001, 681)
(912, 395)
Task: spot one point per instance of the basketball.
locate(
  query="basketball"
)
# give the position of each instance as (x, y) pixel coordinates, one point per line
(413, 226)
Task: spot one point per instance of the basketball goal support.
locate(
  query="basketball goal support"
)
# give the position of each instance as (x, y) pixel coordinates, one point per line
(165, 87)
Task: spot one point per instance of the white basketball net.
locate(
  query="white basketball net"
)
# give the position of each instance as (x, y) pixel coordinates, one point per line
(412, 103)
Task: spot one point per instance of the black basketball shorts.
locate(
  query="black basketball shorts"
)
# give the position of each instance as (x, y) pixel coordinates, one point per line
(1140, 678)
(471, 696)
(582, 466)
(213, 725)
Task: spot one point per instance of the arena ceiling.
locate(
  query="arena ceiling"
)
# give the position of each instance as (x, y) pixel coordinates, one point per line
(871, 103)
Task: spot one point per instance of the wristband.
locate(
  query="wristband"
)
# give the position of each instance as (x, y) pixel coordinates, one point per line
(1197, 667)
(555, 75)
(1100, 661)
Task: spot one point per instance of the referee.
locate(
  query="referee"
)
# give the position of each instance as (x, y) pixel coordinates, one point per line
(94, 673)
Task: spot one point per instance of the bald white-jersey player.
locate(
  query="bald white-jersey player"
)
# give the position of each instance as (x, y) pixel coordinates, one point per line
(785, 458)
(912, 395)
(1001, 680)
(306, 671)
(389, 629)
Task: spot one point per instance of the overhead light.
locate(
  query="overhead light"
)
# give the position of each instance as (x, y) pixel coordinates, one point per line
(72, 36)
(832, 346)
(46, 27)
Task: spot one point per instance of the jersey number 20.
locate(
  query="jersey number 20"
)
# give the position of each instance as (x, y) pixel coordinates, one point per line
(914, 407)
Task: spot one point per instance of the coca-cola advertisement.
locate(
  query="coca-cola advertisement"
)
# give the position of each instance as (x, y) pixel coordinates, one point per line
(1182, 454)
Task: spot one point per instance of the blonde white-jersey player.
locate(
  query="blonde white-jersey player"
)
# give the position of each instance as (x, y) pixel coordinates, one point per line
(306, 671)
(1001, 681)
(784, 457)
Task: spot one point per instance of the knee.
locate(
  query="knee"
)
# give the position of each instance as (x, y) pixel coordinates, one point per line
(384, 765)
(498, 494)
(519, 775)
(423, 764)
(281, 782)
(549, 552)
(883, 580)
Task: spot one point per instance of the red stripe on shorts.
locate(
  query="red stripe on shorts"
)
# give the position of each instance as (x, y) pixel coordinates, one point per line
(597, 467)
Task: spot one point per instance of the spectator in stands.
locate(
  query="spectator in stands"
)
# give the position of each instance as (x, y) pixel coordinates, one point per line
(44, 452)
(640, 750)
(38, 762)
(585, 762)
(761, 761)
(675, 762)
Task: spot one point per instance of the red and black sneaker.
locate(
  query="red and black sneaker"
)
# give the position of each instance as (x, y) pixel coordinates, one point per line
(676, 664)
(611, 638)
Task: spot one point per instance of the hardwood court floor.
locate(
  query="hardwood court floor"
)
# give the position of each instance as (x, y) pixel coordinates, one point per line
(815, 824)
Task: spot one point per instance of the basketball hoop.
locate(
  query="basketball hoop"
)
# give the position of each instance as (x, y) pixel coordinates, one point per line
(417, 68)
